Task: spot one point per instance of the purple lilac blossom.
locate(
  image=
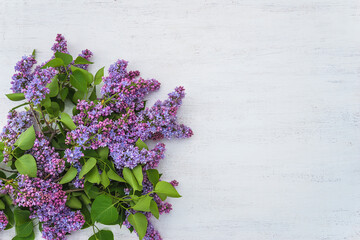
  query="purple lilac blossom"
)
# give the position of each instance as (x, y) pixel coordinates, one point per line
(73, 155)
(36, 89)
(47, 160)
(21, 79)
(97, 126)
(17, 123)
(46, 201)
(3, 221)
(60, 45)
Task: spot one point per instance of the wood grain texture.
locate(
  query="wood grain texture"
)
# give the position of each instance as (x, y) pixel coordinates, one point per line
(273, 97)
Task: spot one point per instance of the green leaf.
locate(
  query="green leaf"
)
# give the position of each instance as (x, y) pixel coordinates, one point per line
(24, 230)
(60, 103)
(81, 60)
(103, 235)
(2, 205)
(140, 144)
(67, 58)
(88, 76)
(154, 209)
(21, 216)
(63, 93)
(114, 176)
(53, 87)
(67, 121)
(93, 94)
(7, 199)
(78, 96)
(153, 176)
(104, 179)
(23, 224)
(137, 171)
(46, 102)
(143, 204)
(54, 109)
(69, 175)
(167, 189)
(78, 81)
(56, 62)
(130, 178)
(139, 222)
(103, 152)
(26, 139)
(98, 76)
(85, 199)
(103, 210)
(91, 190)
(86, 213)
(26, 165)
(74, 203)
(93, 176)
(87, 167)
(30, 237)
(16, 96)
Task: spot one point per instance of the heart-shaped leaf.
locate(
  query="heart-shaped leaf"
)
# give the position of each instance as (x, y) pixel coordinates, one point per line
(26, 165)
(26, 139)
(103, 210)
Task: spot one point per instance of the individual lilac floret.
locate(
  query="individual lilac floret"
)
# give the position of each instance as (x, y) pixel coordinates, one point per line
(47, 160)
(60, 45)
(23, 75)
(37, 90)
(73, 155)
(3, 221)
(17, 123)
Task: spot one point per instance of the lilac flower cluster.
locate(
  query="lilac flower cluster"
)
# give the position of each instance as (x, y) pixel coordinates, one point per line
(125, 89)
(160, 121)
(73, 155)
(32, 84)
(36, 89)
(17, 123)
(60, 45)
(3, 221)
(46, 201)
(47, 160)
(130, 156)
(23, 76)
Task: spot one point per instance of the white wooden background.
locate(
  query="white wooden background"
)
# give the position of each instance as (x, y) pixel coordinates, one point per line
(272, 96)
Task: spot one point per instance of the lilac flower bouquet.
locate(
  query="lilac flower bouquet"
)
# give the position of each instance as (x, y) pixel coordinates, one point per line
(64, 173)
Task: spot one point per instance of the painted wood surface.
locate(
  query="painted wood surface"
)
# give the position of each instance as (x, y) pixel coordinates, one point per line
(273, 97)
